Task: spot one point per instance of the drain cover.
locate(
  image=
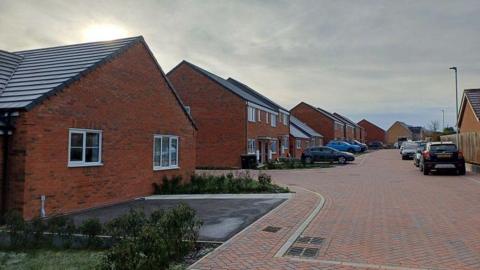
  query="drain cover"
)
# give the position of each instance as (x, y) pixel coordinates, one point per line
(310, 252)
(271, 229)
(295, 251)
(310, 240)
(302, 252)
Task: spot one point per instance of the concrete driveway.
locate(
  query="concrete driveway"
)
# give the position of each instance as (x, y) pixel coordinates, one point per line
(377, 213)
(223, 215)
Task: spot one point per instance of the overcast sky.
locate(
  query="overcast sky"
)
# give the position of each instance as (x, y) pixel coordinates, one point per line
(379, 60)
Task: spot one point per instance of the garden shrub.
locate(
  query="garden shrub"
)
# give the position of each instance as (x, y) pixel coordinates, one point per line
(128, 225)
(62, 227)
(165, 237)
(92, 228)
(242, 183)
(16, 225)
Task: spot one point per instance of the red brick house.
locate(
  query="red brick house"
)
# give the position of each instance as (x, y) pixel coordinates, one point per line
(320, 120)
(373, 132)
(87, 125)
(301, 137)
(352, 130)
(232, 118)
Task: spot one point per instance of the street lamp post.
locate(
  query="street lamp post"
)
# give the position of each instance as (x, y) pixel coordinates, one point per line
(456, 104)
(443, 119)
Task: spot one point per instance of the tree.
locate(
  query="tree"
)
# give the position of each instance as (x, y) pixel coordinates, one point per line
(434, 125)
(448, 130)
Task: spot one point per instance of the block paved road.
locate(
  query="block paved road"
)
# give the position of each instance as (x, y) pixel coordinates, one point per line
(379, 213)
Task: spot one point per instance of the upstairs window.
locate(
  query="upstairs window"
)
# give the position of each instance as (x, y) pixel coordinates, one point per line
(85, 148)
(165, 152)
(259, 116)
(267, 117)
(285, 119)
(273, 120)
(251, 114)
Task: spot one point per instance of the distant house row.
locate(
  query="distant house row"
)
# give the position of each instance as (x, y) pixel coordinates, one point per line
(98, 123)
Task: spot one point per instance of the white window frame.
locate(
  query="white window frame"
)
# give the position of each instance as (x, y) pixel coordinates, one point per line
(251, 146)
(273, 120)
(298, 143)
(285, 119)
(285, 143)
(267, 117)
(251, 114)
(83, 163)
(169, 167)
(259, 116)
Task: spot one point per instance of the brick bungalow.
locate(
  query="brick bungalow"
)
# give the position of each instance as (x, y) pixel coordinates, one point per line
(320, 120)
(401, 131)
(352, 130)
(232, 118)
(301, 137)
(373, 132)
(88, 125)
(468, 120)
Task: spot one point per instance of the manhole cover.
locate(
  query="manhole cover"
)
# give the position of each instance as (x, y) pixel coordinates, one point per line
(295, 251)
(302, 252)
(310, 252)
(310, 240)
(272, 229)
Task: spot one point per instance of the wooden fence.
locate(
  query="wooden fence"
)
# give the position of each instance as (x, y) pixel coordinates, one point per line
(469, 145)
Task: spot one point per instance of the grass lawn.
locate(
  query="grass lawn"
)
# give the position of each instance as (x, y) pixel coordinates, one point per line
(50, 259)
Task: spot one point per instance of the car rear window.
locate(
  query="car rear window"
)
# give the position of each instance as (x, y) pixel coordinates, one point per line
(443, 148)
(410, 146)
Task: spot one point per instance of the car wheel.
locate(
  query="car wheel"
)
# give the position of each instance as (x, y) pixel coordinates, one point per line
(342, 160)
(426, 171)
(461, 171)
(403, 158)
(308, 160)
(350, 150)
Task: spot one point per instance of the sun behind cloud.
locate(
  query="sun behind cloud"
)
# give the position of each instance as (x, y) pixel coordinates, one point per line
(99, 32)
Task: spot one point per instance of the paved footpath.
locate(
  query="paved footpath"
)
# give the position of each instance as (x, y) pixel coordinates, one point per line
(378, 213)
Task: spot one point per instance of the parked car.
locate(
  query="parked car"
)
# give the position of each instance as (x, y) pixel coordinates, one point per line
(363, 147)
(420, 148)
(408, 150)
(326, 154)
(442, 156)
(344, 146)
(376, 145)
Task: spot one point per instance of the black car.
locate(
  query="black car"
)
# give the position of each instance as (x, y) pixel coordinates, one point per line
(326, 154)
(376, 145)
(442, 156)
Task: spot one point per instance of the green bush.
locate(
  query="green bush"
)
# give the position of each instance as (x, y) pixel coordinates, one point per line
(15, 223)
(164, 238)
(92, 228)
(128, 225)
(63, 228)
(201, 184)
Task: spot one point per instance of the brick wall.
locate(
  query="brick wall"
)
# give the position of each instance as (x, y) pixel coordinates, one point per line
(397, 131)
(294, 151)
(128, 99)
(372, 132)
(219, 114)
(263, 128)
(316, 120)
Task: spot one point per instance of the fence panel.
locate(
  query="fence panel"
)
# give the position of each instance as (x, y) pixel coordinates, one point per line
(469, 145)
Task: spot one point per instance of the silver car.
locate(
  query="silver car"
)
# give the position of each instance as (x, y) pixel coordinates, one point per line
(408, 150)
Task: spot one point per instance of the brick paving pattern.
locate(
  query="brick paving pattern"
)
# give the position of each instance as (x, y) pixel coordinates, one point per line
(380, 213)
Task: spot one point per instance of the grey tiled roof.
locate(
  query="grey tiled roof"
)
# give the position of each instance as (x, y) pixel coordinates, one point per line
(473, 96)
(249, 90)
(345, 119)
(37, 74)
(297, 133)
(303, 127)
(228, 85)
